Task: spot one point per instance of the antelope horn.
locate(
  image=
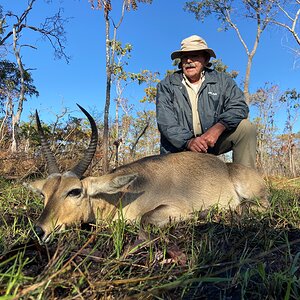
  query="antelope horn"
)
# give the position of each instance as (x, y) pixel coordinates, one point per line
(82, 166)
(50, 159)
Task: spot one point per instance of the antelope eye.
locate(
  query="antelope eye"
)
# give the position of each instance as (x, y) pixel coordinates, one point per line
(75, 193)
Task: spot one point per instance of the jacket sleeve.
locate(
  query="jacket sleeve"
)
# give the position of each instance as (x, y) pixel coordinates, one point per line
(167, 120)
(235, 108)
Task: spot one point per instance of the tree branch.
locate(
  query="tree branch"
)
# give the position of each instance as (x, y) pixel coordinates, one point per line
(52, 30)
(295, 19)
(142, 132)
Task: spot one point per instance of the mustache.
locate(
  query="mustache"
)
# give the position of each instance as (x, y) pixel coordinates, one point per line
(189, 65)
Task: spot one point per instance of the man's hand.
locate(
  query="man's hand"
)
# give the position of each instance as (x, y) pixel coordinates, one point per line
(207, 139)
(197, 144)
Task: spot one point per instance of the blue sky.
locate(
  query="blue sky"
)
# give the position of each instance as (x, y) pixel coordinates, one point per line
(155, 31)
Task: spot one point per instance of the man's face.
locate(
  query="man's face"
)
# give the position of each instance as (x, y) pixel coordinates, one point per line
(193, 63)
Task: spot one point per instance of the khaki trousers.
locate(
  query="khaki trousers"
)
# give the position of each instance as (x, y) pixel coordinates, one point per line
(242, 142)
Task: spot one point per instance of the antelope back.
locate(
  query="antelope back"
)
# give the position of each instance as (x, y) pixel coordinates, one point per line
(175, 185)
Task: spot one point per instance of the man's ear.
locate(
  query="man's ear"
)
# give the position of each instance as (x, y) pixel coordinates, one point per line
(108, 184)
(35, 186)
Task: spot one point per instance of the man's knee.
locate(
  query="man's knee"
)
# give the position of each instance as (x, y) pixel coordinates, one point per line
(246, 128)
(244, 150)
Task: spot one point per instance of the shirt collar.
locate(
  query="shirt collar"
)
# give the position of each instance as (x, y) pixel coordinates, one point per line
(202, 77)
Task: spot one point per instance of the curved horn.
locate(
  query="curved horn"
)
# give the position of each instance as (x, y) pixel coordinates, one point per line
(50, 159)
(82, 166)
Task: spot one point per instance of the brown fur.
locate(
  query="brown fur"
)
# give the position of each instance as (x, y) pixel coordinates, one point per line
(154, 189)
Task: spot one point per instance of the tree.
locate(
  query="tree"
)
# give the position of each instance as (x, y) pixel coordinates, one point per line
(120, 80)
(11, 85)
(221, 67)
(291, 98)
(228, 12)
(1, 20)
(291, 13)
(126, 126)
(265, 100)
(111, 39)
(12, 27)
(276, 152)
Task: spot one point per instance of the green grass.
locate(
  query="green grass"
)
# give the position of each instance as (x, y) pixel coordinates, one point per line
(256, 256)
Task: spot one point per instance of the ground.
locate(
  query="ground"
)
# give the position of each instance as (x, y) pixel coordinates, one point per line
(221, 256)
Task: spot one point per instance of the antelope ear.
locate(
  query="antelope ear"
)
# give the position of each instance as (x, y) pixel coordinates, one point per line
(108, 184)
(35, 186)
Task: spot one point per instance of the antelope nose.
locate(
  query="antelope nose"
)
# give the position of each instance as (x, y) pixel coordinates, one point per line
(39, 231)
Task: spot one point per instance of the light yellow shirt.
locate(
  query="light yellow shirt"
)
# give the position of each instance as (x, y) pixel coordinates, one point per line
(193, 92)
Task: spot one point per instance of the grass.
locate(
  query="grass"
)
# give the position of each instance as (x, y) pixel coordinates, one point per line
(226, 256)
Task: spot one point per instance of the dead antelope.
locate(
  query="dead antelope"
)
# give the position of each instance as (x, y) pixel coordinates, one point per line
(155, 189)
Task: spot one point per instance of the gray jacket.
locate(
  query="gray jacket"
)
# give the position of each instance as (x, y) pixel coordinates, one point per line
(220, 100)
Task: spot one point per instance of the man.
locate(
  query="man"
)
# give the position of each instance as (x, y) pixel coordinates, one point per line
(202, 110)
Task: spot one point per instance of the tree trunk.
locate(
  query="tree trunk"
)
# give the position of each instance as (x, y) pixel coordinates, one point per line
(110, 53)
(3, 122)
(117, 140)
(249, 64)
(247, 79)
(16, 117)
(105, 141)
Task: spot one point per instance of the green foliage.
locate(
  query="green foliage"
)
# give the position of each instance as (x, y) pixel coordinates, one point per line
(10, 80)
(291, 98)
(221, 67)
(120, 50)
(205, 8)
(222, 10)
(121, 75)
(118, 232)
(131, 129)
(150, 79)
(121, 53)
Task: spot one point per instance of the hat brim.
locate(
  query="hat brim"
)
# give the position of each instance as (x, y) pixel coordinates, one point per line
(179, 53)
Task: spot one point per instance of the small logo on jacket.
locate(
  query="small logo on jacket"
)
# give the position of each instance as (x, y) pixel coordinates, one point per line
(212, 93)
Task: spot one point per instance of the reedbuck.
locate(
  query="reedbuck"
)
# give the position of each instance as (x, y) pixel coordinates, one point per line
(155, 189)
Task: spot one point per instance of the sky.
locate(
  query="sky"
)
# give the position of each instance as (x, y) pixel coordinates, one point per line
(154, 31)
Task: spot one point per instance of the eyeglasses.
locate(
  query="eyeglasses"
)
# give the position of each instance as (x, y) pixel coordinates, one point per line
(191, 56)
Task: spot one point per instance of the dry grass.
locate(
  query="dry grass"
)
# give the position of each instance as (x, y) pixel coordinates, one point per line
(225, 256)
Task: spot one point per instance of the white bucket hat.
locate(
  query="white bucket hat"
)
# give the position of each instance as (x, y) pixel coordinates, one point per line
(193, 43)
